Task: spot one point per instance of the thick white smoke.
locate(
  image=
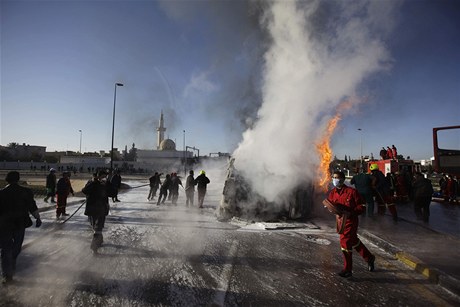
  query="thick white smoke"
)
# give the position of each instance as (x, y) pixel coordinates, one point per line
(320, 53)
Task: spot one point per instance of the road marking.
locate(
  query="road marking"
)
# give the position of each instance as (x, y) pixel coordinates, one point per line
(224, 282)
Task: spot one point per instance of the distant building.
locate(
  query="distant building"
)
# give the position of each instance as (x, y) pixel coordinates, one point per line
(85, 159)
(426, 162)
(166, 155)
(25, 152)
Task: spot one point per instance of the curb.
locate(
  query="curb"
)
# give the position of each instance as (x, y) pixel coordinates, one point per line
(435, 276)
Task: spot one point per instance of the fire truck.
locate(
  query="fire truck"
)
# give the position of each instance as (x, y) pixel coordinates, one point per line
(396, 165)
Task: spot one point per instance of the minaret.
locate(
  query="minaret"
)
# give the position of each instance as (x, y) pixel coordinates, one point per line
(161, 131)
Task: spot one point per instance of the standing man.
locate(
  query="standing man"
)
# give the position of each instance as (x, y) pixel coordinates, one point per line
(64, 188)
(50, 185)
(189, 189)
(363, 183)
(349, 205)
(389, 153)
(201, 181)
(115, 181)
(16, 203)
(394, 152)
(423, 191)
(383, 153)
(382, 192)
(97, 206)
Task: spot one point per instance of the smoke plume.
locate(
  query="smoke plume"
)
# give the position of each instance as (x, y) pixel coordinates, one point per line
(320, 54)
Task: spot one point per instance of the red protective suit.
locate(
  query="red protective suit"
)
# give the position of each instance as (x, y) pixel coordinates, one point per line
(349, 200)
(389, 153)
(394, 151)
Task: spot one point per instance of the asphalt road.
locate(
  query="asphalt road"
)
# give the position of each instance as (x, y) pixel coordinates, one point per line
(176, 256)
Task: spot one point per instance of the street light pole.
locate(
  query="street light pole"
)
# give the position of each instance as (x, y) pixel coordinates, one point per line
(113, 123)
(80, 139)
(185, 158)
(361, 147)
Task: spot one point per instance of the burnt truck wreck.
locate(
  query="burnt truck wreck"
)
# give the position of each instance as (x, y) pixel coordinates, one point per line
(240, 200)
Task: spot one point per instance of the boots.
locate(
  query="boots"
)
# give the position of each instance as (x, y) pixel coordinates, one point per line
(96, 242)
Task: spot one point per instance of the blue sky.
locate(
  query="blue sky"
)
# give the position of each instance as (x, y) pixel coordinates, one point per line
(202, 63)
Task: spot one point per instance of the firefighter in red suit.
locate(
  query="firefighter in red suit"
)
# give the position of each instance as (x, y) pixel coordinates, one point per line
(348, 200)
(389, 153)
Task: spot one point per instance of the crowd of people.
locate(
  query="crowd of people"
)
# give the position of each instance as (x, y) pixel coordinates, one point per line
(399, 187)
(17, 203)
(449, 188)
(372, 188)
(169, 188)
(389, 153)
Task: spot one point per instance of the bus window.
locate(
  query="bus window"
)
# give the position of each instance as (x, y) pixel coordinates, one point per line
(446, 145)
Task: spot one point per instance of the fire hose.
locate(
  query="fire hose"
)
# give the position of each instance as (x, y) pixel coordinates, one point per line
(140, 186)
(70, 216)
(84, 202)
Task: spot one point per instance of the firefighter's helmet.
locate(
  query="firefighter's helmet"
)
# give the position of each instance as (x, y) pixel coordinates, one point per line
(202, 173)
(374, 167)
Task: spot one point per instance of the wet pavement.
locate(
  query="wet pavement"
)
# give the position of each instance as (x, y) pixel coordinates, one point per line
(177, 256)
(432, 248)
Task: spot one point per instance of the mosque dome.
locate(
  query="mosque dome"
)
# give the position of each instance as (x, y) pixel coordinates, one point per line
(167, 144)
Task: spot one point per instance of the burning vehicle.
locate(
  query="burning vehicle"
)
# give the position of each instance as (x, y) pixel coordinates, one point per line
(240, 200)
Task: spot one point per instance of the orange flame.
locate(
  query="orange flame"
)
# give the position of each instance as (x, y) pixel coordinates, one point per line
(323, 146)
(325, 152)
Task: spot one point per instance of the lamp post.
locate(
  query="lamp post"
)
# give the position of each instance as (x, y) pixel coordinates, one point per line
(80, 139)
(185, 159)
(361, 147)
(113, 123)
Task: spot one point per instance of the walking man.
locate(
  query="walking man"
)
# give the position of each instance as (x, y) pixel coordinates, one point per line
(64, 188)
(50, 185)
(16, 203)
(349, 203)
(164, 190)
(97, 206)
(201, 182)
(154, 183)
(174, 188)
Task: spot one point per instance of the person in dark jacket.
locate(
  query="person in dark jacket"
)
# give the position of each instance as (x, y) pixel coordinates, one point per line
(97, 206)
(64, 188)
(383, 153)
(201, 182)
(115, 181)
(50, 185)
(423, 191)
(174, 188)
(154, 183)
(363, 183)
(16, 203)
(382, 192)
(164, 189)
(189, 189)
